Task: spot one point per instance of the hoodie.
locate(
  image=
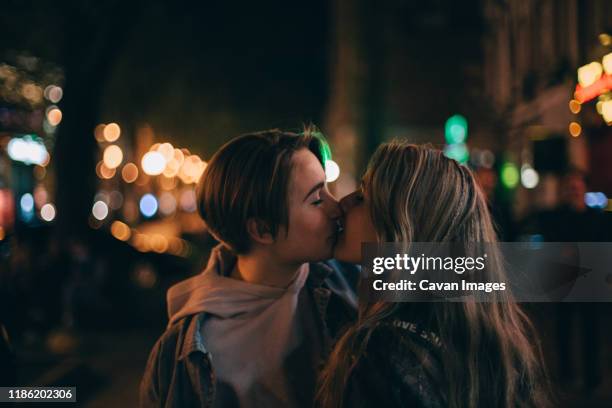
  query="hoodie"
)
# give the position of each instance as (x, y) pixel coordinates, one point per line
(250, 332)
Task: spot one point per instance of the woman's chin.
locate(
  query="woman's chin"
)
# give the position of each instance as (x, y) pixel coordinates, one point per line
(338, 252)
(341, 253)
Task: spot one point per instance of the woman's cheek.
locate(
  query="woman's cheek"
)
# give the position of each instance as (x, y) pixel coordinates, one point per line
(312, 221)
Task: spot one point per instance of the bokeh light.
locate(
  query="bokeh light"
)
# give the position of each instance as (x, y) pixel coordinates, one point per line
(458, 152)
(455, 129)
(575, 129)
(588, 74)
(54, 116)
(26, 202)
(575, 106)
(129, 173)
(192, 169)
(596, 200)
(187, 201)
(121, 231)
(167, 203)
(140, 241)
(47, 212)
(99, 210)
(113, 156)
(179, 156)
(99, 132)
(148, 205)
(28, 150)
(509, 175)
(172, 168)
(32, 92)
(153, 163)
(111, 132)
(104, 172)
(332, 171)
(529, 177)
(606, 110)
(158, 243)
(53, 93)
(607, 63)
(167, 150)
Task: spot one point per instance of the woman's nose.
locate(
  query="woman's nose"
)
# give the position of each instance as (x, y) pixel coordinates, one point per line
(331, 206)
(347, 202)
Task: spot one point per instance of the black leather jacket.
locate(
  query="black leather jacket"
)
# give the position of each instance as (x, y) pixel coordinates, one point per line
(400, 368)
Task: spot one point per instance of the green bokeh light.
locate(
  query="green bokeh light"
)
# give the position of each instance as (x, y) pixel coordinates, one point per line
(509, 175)
(455, 129)
(458, 152)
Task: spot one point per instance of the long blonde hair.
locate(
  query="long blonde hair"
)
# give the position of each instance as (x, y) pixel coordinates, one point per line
(491, 355)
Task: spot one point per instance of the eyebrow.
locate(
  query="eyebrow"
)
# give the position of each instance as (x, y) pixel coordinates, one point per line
(315, 188)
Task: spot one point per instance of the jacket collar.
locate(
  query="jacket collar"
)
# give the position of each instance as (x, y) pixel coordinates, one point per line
(193, 339)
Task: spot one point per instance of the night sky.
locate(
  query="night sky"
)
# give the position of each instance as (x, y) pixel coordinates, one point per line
(201, 73)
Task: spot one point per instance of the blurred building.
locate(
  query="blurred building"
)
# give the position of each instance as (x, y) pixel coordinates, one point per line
(400, 69)
(532, 50)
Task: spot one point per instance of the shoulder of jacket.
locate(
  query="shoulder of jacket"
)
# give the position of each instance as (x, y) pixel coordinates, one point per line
(175, 337)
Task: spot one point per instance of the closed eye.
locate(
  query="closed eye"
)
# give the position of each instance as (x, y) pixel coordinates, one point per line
(359, 195)
(317, 202)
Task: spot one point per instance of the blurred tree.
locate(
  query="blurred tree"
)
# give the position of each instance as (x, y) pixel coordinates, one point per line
(94, 33)
(84, 38)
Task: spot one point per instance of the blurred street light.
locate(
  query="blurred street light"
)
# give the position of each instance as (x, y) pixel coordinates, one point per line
(153, 163)
(111, 132)
(54, 116)
(53, 93)
(113, 156)
(332, 171)
(148, 205)
(129, 173)
(588, 74)
(529, 177)
(47, 212)
(99, 210)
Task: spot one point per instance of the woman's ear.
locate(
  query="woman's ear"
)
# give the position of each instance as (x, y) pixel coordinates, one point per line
(259, 231)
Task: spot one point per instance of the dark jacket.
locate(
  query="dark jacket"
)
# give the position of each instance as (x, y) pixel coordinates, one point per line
(180, 370)
(399, 368)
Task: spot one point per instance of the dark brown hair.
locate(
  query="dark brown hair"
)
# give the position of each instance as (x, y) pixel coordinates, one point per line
(248, 177)
(491, 354)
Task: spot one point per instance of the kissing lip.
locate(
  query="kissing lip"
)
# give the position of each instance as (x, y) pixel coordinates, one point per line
(339, 226)
(337, 233)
